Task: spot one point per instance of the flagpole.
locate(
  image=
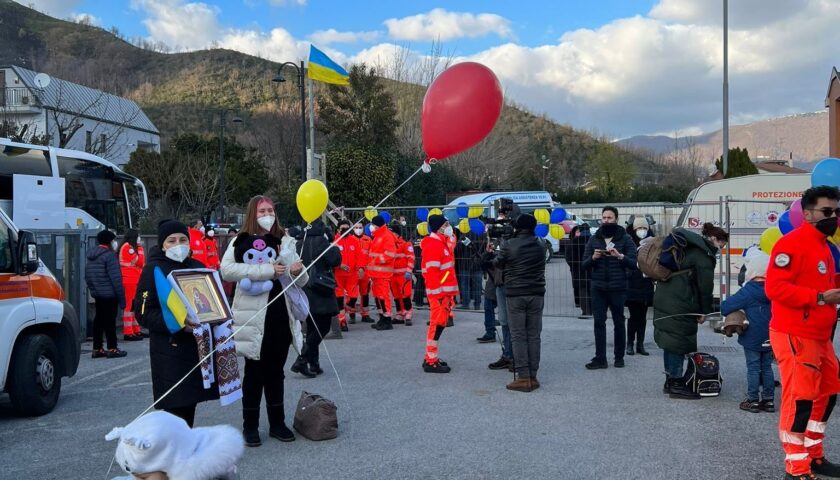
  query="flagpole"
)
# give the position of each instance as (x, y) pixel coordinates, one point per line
(312, 125)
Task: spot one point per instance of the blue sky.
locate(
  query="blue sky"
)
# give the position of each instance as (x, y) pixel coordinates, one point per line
(614, 67)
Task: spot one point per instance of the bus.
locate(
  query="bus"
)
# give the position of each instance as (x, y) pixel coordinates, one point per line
(49, 188)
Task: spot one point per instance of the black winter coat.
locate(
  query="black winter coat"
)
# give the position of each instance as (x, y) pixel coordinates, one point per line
(102, 274)
(172, 355)
(574, 253)
(318, 240)
(468, 257)
(640, 287)
(610, 273)
(522, 261)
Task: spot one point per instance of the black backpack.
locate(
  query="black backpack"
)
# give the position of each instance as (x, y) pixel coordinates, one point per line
(703, 374)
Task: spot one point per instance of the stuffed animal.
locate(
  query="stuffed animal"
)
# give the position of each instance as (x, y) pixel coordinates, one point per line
(256, 250)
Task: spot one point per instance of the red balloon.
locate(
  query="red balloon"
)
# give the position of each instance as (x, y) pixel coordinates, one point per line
(461, 107)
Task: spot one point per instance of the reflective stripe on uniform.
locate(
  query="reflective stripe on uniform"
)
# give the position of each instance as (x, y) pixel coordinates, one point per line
(390, 254)
(431, 264)
(374, 268)
(444, 266)
(446, 289)
(791, 438)
(810, 442)
(816, 427)
(796, 456)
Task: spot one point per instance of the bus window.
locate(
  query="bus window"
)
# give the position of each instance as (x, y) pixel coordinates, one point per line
(21, 161)
(91, 187)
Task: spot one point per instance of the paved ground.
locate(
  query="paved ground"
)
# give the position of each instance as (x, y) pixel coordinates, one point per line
(398, 422)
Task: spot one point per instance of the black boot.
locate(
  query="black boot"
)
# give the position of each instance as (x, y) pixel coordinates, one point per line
(251, 426)
(352, 318)
(640, 349)
(680, 391)
(277, 424)
(300, 366)
(821, 466)
(366, 319)
(383, 324)
(629, 349)
(315, 367)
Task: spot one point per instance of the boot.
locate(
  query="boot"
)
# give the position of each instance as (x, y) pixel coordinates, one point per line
(640, 349)
(335, 330)
(821, 466)
(398, 319)
(366, 319)
(315, 367)
(343, 325)
(629, 349)
(535, 383)
(352, 319)
(501, 364)
(408, 316)
(277, 424)
(437, 367)
(450, 322)
(680, 391)
(383, 324)
(250, 426)
(300, 366)
(521, 384)
(666, 389)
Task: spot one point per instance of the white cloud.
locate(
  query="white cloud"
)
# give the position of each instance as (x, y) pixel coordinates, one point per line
(277, 45)
(56, 8)
(286, 3)
(440, 24)
(326, 37)
(86, 19)
(180, 25)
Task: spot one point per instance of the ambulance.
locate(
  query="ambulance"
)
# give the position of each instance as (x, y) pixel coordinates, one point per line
(39, 329)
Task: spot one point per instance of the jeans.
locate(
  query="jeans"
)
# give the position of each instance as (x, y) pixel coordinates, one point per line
(469, 283)
(501, 302)
(760, 370)
(489, 317)
(525, 319)
(673, 364)
(601, 301)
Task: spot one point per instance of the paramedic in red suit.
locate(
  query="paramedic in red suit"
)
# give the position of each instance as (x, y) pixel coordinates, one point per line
(801, 286)
(197, 245)
(364, 279)
(383, 252)
(438, 262)
(212, 250)
(401, 281)
(347, 274)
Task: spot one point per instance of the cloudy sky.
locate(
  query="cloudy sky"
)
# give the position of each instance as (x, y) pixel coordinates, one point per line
(618, 67)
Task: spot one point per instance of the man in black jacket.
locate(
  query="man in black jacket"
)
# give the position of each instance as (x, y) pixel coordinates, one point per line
(610, 255)
(522, 260)
(104, 281)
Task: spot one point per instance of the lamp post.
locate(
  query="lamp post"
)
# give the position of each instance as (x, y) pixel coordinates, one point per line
(222, 119)
(279, 78)
(545, 163)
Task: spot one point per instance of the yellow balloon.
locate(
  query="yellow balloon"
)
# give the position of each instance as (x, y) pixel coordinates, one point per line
(769, 239)
(475, 211)
(542, 216)
(423, 228)
(312, 199)
(836, 238)
(435, 211)
(557, 231)
(464, 225)
(370, 212)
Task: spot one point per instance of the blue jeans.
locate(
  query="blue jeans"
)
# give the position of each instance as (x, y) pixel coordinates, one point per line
(673, 363)
(469, 283)
(489, 317)
(501, 302)
(759, 370)
(614, 301)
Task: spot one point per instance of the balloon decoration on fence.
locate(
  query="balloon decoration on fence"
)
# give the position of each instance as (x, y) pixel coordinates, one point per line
(312, 198)
(542, 216)
(553, 223)
(541, 230)
(464, 225)
(557, 231)
(827, 172)
(370, 212)
(423, 228)
(475, 211)
(785, 224)
(462, 210)
(435, 211)
(385, 216)
(423, 214)
(477, 226)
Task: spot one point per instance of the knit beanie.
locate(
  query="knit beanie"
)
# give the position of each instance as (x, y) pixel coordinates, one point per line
(640, 222)
(105, 237)
(526, 222)
(757, 265)
(435, 222)
(169, 227)
(378, 220)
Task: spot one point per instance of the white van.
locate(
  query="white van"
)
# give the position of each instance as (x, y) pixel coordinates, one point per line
(527, 202)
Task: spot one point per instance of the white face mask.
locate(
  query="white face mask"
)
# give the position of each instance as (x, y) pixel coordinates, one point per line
(201, 229)
(178, 253)
(114, 245)
(373, 228)
(448, 231)
(358, 231)
(642, 233)
(266, 222)
(211, 233)
(403, 223)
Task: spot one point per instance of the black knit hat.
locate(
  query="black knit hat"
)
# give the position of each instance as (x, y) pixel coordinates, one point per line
(435, 222)
(526, 222)
(344, 221)
(105, 237)
(168, 227)
(378, 220)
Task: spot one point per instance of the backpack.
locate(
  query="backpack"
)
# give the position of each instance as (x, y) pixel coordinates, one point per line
(660, 257)
(703, 374)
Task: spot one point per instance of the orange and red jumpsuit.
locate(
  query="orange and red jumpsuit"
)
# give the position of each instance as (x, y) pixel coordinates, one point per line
(801, 329)
(364, 282)
(347, 275)
(383, 252)
(197, 246)
(438, 263)
(132, 261)
(401, 286)
(212, 253)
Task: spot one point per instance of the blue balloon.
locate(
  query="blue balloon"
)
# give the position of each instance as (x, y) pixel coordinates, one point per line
(423, 214)
(827, 172)
(835, 252)
(462, 210)
(541, 230)
(386, 216)
(784, 223)
(477, 226)
(367, 229)
(558, 215)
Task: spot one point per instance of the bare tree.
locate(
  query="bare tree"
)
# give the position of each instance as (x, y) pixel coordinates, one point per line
(198, 182)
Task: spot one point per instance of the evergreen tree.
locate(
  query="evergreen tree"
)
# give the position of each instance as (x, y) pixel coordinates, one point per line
(739, 163)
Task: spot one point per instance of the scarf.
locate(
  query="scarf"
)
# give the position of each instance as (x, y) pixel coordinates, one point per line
(226, 371)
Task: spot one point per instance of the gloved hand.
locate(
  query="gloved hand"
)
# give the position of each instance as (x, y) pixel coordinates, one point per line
(408, 275)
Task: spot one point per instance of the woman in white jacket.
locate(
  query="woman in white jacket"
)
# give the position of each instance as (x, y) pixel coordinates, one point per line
(264, 342)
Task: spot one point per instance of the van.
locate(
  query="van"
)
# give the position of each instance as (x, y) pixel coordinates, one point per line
(39, 329)
(526, 201)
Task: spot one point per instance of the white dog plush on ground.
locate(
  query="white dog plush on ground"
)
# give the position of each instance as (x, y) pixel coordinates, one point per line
(161, 446)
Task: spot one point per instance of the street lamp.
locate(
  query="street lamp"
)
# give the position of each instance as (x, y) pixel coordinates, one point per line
(545, 163)
(222, 118)
(279, 78)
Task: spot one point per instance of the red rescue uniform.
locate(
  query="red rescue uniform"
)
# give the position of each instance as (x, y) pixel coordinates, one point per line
(400, 282)
(801, 329)
(347, 274)
(364, 282)
(383, 252)
(438, 264)
(212, 251)
(197, 246)
(132, 261)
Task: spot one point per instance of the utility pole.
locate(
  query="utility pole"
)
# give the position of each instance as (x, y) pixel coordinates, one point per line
(725, 87)
(222, 167)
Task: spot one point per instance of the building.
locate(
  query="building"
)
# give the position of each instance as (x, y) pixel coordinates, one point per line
(763, 166)
(832, 103)
(74, 116)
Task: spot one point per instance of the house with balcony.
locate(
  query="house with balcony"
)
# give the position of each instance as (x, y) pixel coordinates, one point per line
(73, 116)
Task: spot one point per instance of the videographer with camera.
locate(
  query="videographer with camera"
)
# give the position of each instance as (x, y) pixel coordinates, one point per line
(522, 261)
(500, 231)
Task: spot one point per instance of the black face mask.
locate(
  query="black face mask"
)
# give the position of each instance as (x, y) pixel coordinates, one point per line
(827, 226)
(609, 229)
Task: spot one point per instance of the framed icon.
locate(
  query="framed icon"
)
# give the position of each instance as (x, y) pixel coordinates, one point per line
(201, 292)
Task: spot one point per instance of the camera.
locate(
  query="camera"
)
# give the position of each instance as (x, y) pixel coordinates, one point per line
(503, 228)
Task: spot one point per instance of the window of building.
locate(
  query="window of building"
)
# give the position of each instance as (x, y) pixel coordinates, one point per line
(88, 141)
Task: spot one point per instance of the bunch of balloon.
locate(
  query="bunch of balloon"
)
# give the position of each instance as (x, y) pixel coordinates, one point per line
(769, 238)
(370, 212)
(312, 199)
(552, 223)
(464, 225)
(435, 211)
(477, 226)
(475, 211)
(423, 214)
(827, 172)
(423, 228)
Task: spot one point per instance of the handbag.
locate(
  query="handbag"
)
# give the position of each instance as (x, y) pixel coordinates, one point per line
(320, 282)
(316, 417)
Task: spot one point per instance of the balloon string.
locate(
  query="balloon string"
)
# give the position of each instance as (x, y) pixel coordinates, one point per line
(282, 292)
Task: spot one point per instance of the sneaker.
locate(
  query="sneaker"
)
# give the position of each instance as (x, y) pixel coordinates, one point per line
(115, 353)
(98, 353)
(520, 385)
(619, 363)
(487, 339)
(596, 364)
(366, 319)
(821, 466)
(751, 406)
(300, 366)
(767, 406)
(501, 364)
(437, 367)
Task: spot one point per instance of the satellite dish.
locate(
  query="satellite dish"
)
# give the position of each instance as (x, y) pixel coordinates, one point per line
(42, 80)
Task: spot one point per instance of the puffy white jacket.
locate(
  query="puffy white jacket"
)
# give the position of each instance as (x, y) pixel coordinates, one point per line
(249, 339)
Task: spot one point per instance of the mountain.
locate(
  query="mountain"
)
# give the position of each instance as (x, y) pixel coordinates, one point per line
(804, 137)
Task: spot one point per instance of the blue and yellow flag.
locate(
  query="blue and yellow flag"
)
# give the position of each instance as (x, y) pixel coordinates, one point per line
(323, 69)
(174, 310)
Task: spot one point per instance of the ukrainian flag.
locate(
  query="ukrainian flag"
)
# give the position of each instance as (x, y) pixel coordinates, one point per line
(323, 69)
(174, 310)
